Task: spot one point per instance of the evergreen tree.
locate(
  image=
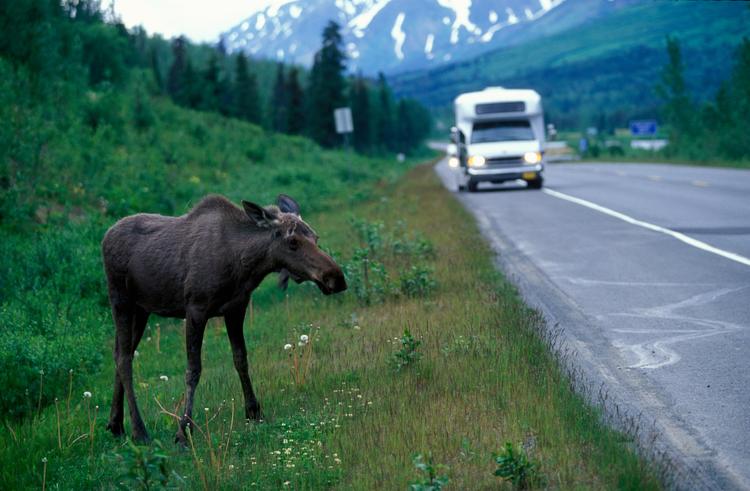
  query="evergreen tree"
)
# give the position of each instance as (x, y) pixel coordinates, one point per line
(156, 68)
(360, 95)
(295, 103)
(246, 99)
(384, 130)
(176, 77)
(211, 86)
(326, 88)
(278, 115)
(678, 110)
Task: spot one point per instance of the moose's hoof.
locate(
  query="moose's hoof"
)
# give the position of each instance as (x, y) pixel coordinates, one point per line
(180, 439)
(253, 412)
(141, 436)
(117, 428)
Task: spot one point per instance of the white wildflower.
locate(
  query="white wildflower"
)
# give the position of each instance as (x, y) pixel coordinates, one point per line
(87, 395)
(164, 378)
(304, 338)
(287, 347)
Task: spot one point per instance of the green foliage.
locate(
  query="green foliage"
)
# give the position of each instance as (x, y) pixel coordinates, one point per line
(407, 355)
(418, 281)
(145, 467)
(429, 479)
(719, 129)
(515, 467)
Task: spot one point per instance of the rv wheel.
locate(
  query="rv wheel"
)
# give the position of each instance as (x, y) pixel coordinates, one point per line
(472, 186)
(536, 183)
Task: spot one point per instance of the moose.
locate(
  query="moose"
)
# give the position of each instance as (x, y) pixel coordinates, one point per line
(200, 265)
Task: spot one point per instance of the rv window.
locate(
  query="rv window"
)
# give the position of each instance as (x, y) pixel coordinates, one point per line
(498, 131)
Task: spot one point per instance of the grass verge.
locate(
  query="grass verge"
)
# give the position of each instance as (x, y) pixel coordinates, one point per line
(483, 376)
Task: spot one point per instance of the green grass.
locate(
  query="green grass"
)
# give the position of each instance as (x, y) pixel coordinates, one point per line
(485, 377)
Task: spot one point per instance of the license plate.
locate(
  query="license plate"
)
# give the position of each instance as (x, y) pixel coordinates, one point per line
(529, 175)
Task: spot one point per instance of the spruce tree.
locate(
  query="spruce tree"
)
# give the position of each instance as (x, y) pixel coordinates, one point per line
(210, 89)
(295, 103)
(326, 89)
(278, 115)
(246, 99)
(361, 115)
(384, 130)
(678, 109)
(176, 77)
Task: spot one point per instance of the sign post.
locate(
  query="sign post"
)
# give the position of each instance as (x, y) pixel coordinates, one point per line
(343, 119)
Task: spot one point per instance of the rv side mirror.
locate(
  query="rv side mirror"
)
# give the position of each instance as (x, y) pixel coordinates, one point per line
(454, 135)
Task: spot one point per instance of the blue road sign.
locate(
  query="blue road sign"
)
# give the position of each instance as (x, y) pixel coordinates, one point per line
(647, 127)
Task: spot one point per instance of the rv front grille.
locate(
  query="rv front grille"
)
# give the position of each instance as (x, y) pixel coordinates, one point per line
(505, 161)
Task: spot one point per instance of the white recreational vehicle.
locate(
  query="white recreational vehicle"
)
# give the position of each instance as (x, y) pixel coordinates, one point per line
(499, 136)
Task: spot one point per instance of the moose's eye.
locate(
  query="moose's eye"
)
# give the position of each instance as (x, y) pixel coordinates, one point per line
(293, 243)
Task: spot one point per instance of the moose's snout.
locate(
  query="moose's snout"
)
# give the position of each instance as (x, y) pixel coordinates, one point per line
(334, 282)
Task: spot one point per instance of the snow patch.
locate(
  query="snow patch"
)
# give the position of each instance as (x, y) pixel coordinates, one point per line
(295, 11)
(493, 17)
(260, 21)
(399, 36)
(462, 10)
(529, 13)
(446, 20)
(245, 26)
(512, 18)
(361, 21)
(428, 44)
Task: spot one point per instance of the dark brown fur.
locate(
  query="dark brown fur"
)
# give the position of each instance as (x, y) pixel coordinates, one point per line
(196, 266)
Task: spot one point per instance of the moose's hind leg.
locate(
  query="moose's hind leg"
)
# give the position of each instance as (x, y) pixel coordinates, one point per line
(116, 414)
(124, 313)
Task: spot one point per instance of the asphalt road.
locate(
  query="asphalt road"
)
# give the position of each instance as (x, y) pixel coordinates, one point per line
(646, 268)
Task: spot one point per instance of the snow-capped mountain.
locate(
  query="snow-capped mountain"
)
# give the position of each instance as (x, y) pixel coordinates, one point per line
(385, 35)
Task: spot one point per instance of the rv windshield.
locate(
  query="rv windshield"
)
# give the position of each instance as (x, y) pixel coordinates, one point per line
(499, 131)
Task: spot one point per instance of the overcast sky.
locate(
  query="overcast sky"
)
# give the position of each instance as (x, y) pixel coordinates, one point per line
(200, 20)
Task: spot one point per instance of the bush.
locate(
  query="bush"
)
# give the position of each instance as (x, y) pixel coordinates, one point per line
(515, 467)
(417, 281)
(407, 355)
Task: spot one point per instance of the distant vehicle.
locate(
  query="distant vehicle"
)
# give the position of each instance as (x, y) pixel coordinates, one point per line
(499, 136)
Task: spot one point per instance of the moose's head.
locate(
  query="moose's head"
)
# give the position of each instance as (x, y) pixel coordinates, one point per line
(295, 248)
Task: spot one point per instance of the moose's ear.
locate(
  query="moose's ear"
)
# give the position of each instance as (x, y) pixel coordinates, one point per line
(287, 204)
(259, 215)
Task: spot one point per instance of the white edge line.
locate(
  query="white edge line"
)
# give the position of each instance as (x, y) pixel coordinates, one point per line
(650, 226)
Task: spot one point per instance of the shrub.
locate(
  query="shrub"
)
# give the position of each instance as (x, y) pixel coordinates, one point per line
(429, 479)
(515, 467)
(145, 467)
(407, 355)
(417, 281)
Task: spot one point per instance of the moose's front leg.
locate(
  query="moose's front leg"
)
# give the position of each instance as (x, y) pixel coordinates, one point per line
(195, 326)
(234, 321)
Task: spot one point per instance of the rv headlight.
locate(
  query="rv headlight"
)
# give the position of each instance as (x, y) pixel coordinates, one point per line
(532, 157)
(453, 162)
(477, 161)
